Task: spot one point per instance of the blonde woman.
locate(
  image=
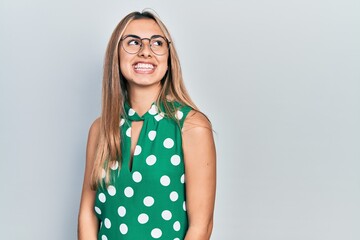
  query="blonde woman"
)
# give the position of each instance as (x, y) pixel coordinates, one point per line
(150, 161)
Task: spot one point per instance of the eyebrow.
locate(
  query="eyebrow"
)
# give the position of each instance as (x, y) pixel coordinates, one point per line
(136, 36)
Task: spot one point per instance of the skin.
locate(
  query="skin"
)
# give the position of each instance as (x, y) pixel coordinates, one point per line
(149, 81)
(198, 143)
(200, 168)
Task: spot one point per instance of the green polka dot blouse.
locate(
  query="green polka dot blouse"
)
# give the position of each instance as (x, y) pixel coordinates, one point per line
(148, 200)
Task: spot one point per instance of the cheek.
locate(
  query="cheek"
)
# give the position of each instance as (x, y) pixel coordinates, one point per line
(123, 69)
(164, 63)
(124, 64)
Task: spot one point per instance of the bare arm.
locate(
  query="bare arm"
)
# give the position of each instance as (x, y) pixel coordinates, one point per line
(200, 173)
(87, 222)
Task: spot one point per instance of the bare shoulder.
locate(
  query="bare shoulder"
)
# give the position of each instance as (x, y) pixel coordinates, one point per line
(94, 130)
(92, 143)
(196, 122)
(198, 143)
(95, 126)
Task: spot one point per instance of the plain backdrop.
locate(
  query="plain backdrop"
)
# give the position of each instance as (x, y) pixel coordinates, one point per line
(280, 81)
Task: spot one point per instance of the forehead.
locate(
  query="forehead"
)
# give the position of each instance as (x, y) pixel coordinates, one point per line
(143, 28)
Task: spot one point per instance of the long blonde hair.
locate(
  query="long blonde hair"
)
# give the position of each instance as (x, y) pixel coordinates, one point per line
(114, 94)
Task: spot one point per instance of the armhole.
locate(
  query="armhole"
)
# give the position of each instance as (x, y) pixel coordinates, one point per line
(185, 111)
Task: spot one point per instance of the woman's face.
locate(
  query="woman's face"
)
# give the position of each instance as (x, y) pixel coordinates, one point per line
(143, 68)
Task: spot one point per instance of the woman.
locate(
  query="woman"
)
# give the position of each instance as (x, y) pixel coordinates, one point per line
(149, 135)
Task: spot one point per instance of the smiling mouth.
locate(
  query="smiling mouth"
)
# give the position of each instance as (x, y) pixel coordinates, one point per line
(146, 66)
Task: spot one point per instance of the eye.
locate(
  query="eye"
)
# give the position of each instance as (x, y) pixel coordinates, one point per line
(134, 42)
(158, 42)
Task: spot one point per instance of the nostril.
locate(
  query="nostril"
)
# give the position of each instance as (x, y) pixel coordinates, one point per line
(144, 51)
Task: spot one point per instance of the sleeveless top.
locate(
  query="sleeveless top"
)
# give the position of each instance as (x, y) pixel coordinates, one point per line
(146, 201)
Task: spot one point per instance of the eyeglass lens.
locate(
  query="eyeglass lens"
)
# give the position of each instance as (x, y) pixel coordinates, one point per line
(132, 44)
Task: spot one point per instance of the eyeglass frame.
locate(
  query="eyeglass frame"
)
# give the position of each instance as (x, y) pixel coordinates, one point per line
(142, 45)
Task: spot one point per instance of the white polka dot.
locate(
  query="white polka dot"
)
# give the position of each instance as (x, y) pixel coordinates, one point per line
(184, 206)
(137, 177)
(111, 190)
(128, 132)
(114, 165)
(121, 211)
(103, 237)
(97, 210)
(152, 135)
(151, 160)
(175, 160)
(137, 150)
(179, 114)
(153, 110)
(159, 116)
(174, 196)
(131, 112)
(168, 143)
(129, 192)
(102, 197)
(148, 201)
(143, 218)
(165, 180)
(123, 228)
(182, 179)
(176, 238)
(176, 226)
(107, 223)
(103, 173)
(166, 215)
(122, 121)
(156, 233)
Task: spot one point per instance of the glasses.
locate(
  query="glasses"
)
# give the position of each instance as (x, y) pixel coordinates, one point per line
(133, 44)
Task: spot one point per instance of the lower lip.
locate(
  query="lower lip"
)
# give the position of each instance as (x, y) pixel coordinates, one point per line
(144, 70)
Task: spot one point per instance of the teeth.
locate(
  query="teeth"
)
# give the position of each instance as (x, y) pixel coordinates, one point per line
(144, 66)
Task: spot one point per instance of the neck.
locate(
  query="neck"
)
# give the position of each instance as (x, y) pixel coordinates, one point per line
(141, 98)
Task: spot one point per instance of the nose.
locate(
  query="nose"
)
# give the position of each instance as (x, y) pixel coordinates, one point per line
(145, 48)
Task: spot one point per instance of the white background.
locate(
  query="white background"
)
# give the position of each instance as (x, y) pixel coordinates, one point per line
(280, 81)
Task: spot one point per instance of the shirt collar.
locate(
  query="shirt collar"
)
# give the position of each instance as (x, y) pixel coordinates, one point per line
(132, 115)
